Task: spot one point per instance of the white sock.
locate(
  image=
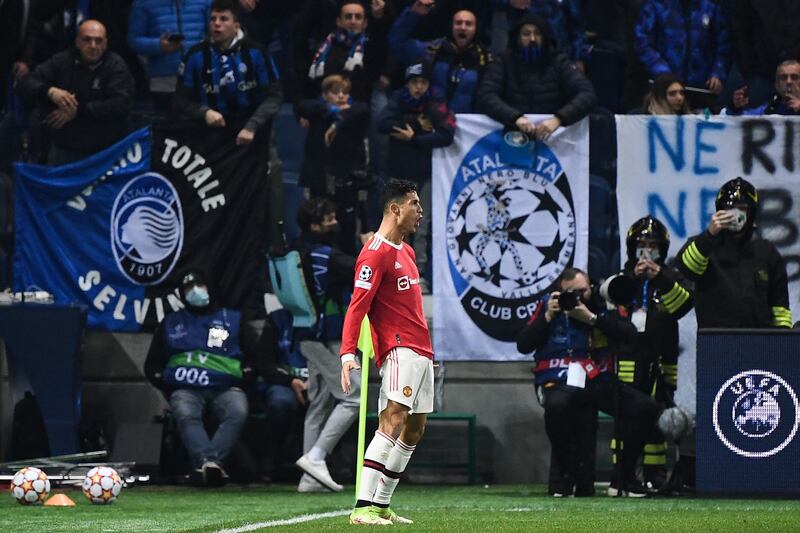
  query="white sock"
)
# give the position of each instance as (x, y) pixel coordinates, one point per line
(395, 466)
(316, 454)
(375, 459)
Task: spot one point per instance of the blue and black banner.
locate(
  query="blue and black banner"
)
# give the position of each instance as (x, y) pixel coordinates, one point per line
(114, 231)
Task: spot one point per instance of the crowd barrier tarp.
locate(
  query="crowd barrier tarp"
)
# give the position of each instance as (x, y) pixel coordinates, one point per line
(114, 231)
(672, 167)
(509, 215)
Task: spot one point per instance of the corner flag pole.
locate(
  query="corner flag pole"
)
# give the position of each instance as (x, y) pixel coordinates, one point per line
(367, 352)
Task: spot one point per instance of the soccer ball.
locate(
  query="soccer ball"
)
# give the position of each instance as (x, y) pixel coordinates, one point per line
(30, 486)
(102, 485)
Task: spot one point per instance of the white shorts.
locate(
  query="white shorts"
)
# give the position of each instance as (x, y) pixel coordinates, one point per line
(407, 379)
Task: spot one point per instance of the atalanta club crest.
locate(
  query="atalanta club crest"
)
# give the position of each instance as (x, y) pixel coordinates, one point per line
(756, 414)
(510, 230)
(147, 229)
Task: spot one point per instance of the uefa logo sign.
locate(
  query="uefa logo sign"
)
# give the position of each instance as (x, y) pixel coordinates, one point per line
(147, 229)
(756, 414)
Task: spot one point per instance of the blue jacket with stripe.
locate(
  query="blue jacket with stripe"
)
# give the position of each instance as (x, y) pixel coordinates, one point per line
(240, 82)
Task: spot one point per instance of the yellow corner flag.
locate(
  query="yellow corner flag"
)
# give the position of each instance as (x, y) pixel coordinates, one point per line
(367, 352)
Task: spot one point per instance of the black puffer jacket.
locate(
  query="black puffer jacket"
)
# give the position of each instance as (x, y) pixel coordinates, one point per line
(104, 95)
(511, 87)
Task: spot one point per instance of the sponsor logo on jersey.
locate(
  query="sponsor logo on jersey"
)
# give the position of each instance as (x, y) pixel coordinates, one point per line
(404, 283)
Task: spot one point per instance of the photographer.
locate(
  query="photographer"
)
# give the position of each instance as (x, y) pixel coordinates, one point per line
(575, 338)
(740, 279)
(657, 301)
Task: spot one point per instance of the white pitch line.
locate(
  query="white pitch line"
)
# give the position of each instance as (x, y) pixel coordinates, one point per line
(286, 521)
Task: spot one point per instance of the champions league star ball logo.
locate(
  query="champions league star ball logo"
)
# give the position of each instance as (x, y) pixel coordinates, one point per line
(756, 414)
(510, 230)
(147, 229)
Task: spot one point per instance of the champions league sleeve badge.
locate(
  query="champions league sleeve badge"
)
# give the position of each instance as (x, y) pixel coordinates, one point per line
(510, 230)
(147, 229)
(756, 414)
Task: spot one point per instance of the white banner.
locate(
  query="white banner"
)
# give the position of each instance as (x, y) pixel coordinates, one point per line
(509, 215)
(672, 168)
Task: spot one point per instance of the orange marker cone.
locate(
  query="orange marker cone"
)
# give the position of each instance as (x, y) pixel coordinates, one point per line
(60, 500)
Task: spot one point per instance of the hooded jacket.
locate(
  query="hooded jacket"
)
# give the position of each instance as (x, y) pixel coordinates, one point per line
(513, 87)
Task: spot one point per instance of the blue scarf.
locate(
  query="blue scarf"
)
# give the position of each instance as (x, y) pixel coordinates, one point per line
(355, 58)
(531, 54)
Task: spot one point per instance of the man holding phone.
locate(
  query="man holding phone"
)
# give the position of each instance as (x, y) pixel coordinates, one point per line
(740, 279)
(162, 30)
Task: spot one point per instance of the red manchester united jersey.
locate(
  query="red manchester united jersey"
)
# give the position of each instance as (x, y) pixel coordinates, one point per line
(387, 289)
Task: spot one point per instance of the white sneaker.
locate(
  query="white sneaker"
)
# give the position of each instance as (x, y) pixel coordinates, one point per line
(213, 474)
(309, 484)
(319, 471)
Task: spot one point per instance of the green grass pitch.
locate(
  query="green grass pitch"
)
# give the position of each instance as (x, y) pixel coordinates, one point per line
(477, 508)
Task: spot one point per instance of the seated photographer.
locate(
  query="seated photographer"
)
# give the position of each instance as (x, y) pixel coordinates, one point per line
(334, 156)
(740, 279)
(657, 300)
(200, 357)
(575, 338)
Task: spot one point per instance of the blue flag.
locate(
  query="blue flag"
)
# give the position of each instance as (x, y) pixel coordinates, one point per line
(114, 231)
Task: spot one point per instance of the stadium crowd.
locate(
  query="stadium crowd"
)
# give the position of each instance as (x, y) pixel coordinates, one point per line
(376, 85)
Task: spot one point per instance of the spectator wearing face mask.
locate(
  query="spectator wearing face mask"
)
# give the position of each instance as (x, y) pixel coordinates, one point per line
(651, 365)
(201, 357)
(740, 279)
(534, 77)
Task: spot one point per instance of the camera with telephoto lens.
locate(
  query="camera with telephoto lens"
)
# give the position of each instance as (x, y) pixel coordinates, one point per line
(619, 289)
(568, 300)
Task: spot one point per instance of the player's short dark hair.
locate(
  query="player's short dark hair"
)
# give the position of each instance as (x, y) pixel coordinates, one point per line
(571, 273)
(228, 5)
(395, 190)
(313, 211)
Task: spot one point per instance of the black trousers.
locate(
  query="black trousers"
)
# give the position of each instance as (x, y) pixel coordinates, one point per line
(571, 424)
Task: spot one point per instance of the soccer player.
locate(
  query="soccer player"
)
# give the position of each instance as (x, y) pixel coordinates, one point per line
(387, 289)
